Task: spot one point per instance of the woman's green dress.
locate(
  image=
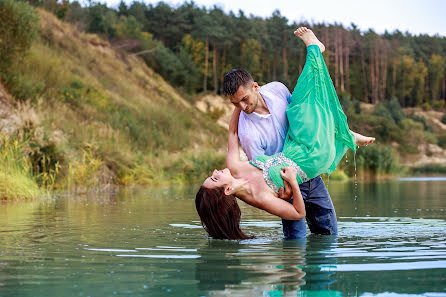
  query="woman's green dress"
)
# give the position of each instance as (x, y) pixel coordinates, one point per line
(318, 134)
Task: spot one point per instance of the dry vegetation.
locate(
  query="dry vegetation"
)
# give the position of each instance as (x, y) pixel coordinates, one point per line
(98, 116)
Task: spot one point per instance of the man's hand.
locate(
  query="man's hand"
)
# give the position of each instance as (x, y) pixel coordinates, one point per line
(286, 192)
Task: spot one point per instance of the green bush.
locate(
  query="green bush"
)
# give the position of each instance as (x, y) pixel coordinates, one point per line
(22, 85)
(19, 26)
(438, 105)
(195, 168)
(395, 109)
(408, 149)
(430, 168)
(381, 110)
(420, 119)
(338, 175)
(443, 118)
(390, 110)
(410, 125)
(442, 140)
(357, 106)
(38, 74)
(346, 102)
(101, 19)
(430, 137)
(376, 158)
(426, 106)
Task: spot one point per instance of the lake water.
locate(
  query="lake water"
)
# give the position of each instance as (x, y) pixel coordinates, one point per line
(149, 242)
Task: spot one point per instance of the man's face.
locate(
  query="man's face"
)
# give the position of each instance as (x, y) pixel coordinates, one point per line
(246, 97)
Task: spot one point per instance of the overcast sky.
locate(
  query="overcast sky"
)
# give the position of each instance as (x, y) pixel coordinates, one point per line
(415, 16)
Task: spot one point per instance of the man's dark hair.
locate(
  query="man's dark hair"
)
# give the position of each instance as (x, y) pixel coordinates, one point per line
(234, 79)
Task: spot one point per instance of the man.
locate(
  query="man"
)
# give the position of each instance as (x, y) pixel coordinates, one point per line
(262, 129)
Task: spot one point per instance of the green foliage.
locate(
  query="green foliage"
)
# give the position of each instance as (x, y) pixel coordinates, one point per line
(40, 71)
(19, 25)
(438, 105)
(381, 127)
(350, 106)
(339, 175)
(395, 109)
(443, 118)
(437, 65)
(420, 119)
(251, 58)
(145, 136)
(391, 110)
(408, 149)
(84, 174)
(101, 19)
(357, 106)
(346, 102)
(430, 168)
(410, 141)
(376, 158)
(190, 33)
(430, 137)
(22, 85)
(381, 110)
(178, 69)
(16, 178)
(193, 168)
(442, 140)
(45, 159)
(426, 106)
(128, 27)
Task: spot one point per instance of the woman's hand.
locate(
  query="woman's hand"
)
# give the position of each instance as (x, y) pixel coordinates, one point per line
(289, 174)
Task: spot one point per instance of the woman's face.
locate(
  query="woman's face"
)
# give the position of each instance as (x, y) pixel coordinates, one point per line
(219, 178)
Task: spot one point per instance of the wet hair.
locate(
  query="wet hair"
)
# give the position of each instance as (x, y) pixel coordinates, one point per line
(219, 214)
(234, 79)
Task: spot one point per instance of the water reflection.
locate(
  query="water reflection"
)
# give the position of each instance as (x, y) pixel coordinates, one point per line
(250, 268)
(319, 252)
(149, 242)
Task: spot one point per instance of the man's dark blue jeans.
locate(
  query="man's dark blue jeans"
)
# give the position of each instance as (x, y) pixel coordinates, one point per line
(321, 215)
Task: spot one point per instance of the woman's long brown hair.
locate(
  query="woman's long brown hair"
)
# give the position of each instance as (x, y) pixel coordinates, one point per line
(219, 214)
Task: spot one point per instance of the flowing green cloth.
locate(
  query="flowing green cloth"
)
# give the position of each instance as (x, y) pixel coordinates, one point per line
(318, 134)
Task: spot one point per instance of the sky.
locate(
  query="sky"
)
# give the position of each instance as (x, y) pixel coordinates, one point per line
(415, 16)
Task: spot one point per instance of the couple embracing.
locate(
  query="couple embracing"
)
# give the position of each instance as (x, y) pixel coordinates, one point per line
(290, 139)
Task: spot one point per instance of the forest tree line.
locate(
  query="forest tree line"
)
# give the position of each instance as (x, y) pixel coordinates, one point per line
(193, 47)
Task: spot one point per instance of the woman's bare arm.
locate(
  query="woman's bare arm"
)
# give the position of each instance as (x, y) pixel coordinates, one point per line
(233, 156)
(281, 208)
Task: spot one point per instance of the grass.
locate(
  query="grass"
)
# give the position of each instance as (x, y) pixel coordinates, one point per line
(107, 117)
(16, 178)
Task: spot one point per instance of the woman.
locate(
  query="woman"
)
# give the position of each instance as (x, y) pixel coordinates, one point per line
(317, 139)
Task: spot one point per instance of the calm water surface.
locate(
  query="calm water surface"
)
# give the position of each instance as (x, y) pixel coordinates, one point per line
(148, 242)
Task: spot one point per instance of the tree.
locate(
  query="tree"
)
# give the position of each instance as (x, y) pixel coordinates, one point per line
(250, 57)
(276, 28)
(101, 19)
(123, 10)
(17, 31)
(437, 65)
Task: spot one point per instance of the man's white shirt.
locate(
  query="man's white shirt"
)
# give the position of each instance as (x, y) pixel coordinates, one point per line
(265, 134)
